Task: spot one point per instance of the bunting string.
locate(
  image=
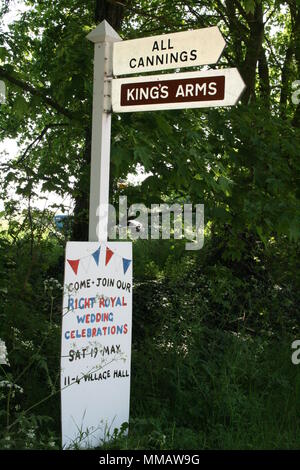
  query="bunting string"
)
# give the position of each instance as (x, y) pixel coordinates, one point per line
(85, 261)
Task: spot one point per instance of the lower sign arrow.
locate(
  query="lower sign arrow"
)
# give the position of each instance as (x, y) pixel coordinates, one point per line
(210, 88)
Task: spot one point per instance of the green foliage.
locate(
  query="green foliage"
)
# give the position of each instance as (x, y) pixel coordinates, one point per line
(221, 391)
(211, 349)
(30, 326)
(249, 5)
(212, 330)
(241, 163)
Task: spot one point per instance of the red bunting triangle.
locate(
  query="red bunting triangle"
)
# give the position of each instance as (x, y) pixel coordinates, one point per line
(74, 263)
(109, 254)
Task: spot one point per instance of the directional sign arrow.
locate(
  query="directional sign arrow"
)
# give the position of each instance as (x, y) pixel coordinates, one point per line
(211, 88)
(168, 51)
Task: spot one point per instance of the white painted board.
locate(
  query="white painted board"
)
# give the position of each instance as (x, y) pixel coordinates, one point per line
(96, 341)
(168, 51)
(211, 88)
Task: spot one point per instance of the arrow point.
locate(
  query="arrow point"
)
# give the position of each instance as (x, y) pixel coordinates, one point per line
(239, 84)
(222, 42)
(241, 80)
(104, 32)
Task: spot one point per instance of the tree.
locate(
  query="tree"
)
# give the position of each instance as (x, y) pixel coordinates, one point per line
(242, 163)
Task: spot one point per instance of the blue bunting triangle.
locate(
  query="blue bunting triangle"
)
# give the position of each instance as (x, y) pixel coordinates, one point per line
(96, 256)
(126, 264)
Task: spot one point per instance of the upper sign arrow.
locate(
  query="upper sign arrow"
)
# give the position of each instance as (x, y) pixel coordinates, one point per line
(168, 51)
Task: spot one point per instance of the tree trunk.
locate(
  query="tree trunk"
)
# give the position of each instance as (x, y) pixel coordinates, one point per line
(264, 78)
(110, 11)
(113, 13)
(285, 77)
(251, 32)
(254, 47)
(81, 210)
(295, 16)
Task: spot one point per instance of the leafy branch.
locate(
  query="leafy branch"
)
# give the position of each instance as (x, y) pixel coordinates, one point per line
(38, 139)
(41, 93)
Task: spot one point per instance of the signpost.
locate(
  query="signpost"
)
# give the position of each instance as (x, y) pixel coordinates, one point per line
(168, 51)
(97, 310)
(103, 37)
(177, 91)
(97, 304)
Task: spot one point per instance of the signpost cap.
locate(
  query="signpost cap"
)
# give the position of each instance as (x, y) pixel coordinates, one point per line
(103, 33)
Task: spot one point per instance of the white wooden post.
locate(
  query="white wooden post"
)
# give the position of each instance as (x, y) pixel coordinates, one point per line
(103, 36)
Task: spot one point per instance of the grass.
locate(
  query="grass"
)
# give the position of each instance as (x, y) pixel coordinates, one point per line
(226, 392)
(202, 377)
